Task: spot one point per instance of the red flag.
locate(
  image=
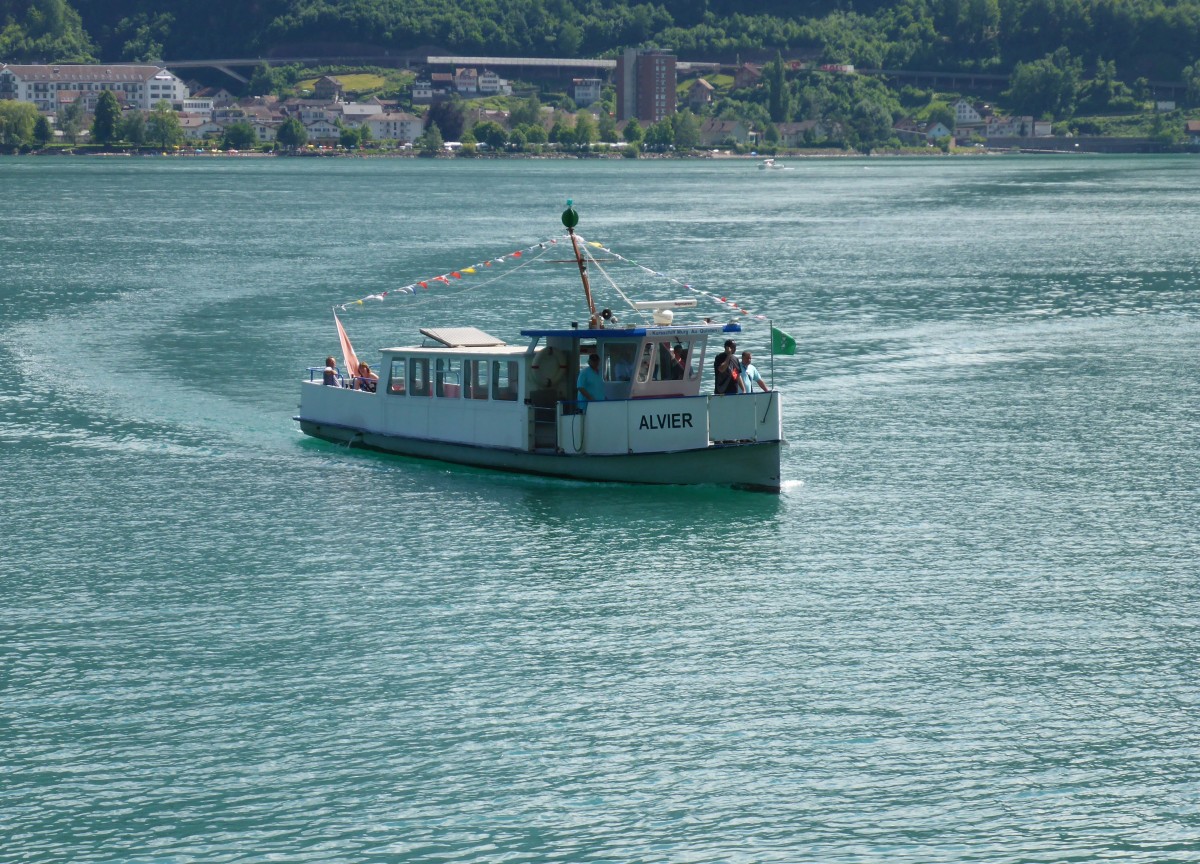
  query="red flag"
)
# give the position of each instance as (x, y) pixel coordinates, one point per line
(456, 275)
(516, 255)
(423, 284)
(348, 357)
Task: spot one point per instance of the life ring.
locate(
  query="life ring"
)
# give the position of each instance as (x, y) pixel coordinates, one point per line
(549, 366)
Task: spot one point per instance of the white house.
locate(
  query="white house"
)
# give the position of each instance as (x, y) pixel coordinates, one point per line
(714, 133)
(587, 91)
(966, 114)
(322, 132)
(490, 83)
(199, 128)
(354, 113)
(396, 126)
(192, 105)
(466, 80)
(937, 130)
(264, 131)
(422, 90)
(135, 86)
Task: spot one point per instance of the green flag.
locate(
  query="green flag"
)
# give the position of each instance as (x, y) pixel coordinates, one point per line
(782, 343)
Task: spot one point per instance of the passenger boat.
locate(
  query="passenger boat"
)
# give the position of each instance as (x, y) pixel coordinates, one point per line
(772, 165)
(464, 396)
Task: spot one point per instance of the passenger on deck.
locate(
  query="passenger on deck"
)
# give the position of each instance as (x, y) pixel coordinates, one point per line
(750, 375)
(333, 378)
(726, 370)
(366, 379)
(589, 384)
(678, 368)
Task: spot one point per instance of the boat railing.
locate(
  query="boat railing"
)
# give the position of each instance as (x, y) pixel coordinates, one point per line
(367, 385)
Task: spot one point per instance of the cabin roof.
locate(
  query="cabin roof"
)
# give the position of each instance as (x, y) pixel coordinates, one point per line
(462, 337)
(637, 332)
(502, 350)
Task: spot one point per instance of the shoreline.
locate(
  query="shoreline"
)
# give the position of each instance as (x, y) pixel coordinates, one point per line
(618, 156)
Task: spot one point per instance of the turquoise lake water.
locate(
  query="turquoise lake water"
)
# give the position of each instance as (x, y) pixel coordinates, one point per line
(967, 630)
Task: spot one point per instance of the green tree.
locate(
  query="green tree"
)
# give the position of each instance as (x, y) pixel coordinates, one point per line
(561, 133)
(490, 133)
(872, 125)
(527, 113)
(570, 38)
(535, 133)
(43, 131)
(470, 146)
(940, 112)
(685, 128)
(106, 125)
(34, 31)
(292, 134)
(1191, 80)
(586, 133)
(517, 139)
(660, 135)
(133, 127)
(607, 128)
(1045, 87)
(144, 35)
(70, 121)
(633, 133)
(263, 81)
(430, 143)
(779, 102)
(449, 117)
(18, 122)
(239, 135)
(162, 127)
(348, 137)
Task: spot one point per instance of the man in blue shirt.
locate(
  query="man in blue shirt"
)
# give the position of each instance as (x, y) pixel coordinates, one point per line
(589, 384)
(750, 375)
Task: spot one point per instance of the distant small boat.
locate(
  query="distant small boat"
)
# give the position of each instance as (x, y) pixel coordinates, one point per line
(772, 165)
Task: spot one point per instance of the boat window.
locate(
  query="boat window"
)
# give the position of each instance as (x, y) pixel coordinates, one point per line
(648, 366)
(447, 379)
(694, 352)
(477, 379)
(618, 361)
(418, 376)
(677, 363)
(396, 376)
(504, 380)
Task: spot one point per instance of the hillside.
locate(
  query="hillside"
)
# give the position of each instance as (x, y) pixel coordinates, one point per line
(1154, 39)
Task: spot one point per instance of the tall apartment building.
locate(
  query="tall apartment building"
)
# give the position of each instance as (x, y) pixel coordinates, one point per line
(645, 85)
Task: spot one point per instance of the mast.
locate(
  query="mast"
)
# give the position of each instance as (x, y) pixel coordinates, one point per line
(570, 219)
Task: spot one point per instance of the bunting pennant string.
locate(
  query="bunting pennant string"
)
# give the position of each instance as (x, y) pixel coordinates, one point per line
(525, 256)
(541, 247)
(724, 301)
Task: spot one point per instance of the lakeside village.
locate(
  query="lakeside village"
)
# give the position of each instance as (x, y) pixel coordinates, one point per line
(647, 102)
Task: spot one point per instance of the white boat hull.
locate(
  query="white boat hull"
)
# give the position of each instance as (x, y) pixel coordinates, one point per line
(743, 465)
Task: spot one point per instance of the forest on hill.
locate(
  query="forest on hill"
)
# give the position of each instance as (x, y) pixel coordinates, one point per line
(1152, 39)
